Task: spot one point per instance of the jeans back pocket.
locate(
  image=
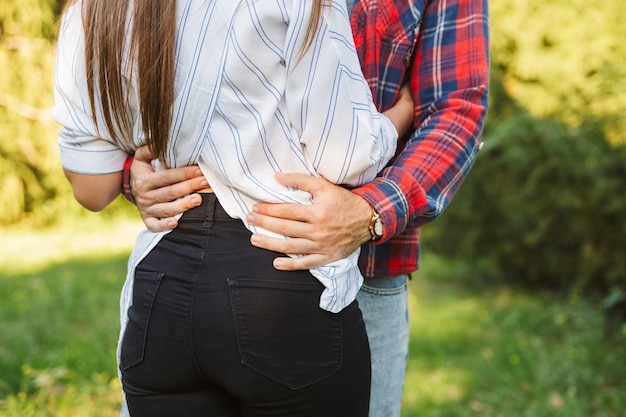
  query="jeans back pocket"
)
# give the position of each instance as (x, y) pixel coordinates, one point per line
(145, 287)
(282, 333)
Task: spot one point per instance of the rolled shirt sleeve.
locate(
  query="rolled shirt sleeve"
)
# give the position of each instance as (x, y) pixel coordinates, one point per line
(84, 149)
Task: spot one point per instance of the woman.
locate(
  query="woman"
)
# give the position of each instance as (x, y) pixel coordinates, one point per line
(244, 89)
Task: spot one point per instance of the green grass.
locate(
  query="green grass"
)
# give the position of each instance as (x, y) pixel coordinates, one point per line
(474, 351)
(59, 320)
(503, 352)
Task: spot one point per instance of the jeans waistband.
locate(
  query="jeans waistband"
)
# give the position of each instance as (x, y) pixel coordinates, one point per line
(210, 210)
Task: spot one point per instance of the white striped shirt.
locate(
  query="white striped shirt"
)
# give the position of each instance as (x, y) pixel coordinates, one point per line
(247, 105)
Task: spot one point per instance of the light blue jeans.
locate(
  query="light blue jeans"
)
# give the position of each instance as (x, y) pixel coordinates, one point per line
(384, 304)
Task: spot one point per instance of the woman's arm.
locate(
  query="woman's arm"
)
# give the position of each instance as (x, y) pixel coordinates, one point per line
(92, 162)
(402, 112)
(95, 192)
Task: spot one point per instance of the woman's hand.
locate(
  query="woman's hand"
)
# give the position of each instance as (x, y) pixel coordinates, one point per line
(161, 195)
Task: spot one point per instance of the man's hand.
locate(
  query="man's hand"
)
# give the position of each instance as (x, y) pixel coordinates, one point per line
(334, 226)
(164, 194)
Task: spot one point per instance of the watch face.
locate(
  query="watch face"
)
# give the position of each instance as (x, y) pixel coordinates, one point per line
(378, 227)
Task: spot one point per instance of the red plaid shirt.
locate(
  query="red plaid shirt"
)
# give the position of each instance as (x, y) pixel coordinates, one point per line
(442, 47)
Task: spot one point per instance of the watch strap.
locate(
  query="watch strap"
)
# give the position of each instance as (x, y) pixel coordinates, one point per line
(372, 226)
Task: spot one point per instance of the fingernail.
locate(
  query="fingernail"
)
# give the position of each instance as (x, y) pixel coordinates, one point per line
(250, 219)
(171, 224)
(254, 239)
(204, 183)
(196, 200)
(278, 264)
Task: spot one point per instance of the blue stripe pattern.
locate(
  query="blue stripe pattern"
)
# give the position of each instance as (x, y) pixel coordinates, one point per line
(248, 104)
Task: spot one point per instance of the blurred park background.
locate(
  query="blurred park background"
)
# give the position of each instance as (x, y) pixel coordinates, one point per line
(519, 308)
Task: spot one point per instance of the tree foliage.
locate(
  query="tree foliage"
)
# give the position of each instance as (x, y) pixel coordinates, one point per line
(32, 184)
(564, 59)
(543, 206)
(29, 174)
(29, 19)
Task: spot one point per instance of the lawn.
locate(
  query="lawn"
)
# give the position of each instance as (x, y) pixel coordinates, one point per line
(474, 351)
(506, 353)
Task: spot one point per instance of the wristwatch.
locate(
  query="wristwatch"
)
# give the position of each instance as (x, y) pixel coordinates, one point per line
(377, 228)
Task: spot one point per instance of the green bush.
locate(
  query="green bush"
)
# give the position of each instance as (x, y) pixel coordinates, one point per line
(31, 179)
(543, 207)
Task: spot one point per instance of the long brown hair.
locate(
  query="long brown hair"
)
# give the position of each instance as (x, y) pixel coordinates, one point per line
(152, 45)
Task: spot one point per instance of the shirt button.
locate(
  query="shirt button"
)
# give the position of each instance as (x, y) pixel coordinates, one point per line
(480, 145)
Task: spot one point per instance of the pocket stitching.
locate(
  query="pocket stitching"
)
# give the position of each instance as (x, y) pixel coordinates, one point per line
(335, 352)
(157, 278)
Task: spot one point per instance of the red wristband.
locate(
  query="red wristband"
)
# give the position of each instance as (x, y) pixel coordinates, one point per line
(126, 190)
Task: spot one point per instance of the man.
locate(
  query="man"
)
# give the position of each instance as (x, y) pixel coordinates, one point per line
(441, 48)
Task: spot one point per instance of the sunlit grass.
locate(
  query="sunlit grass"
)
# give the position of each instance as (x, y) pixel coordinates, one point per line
(59, 320)
(58, 393)
(29, 250)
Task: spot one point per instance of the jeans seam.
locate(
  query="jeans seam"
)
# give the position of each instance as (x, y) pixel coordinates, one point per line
(384, 291)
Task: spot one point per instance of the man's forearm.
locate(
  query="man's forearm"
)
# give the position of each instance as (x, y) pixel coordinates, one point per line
(450, 86)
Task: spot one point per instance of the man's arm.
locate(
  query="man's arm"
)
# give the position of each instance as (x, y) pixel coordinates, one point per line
(161, 195)
(449, 80)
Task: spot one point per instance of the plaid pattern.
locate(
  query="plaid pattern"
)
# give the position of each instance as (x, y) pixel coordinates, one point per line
(442, 46)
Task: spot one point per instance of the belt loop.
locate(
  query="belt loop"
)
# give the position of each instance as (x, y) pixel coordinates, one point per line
(209, 210)
(209, 214)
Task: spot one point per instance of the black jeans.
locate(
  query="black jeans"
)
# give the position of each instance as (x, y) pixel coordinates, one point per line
(215, 330)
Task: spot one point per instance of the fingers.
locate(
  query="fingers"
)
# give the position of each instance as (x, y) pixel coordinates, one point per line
(168, 209)
(302, 182)
(281, 245)
(270, 216)
(171, 183)
(174, 176)
(160, 225)
(304, 262)
(145, 180)
(169, 194)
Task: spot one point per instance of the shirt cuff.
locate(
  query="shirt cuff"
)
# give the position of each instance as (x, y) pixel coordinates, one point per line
(92, 161)
(388, 200)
